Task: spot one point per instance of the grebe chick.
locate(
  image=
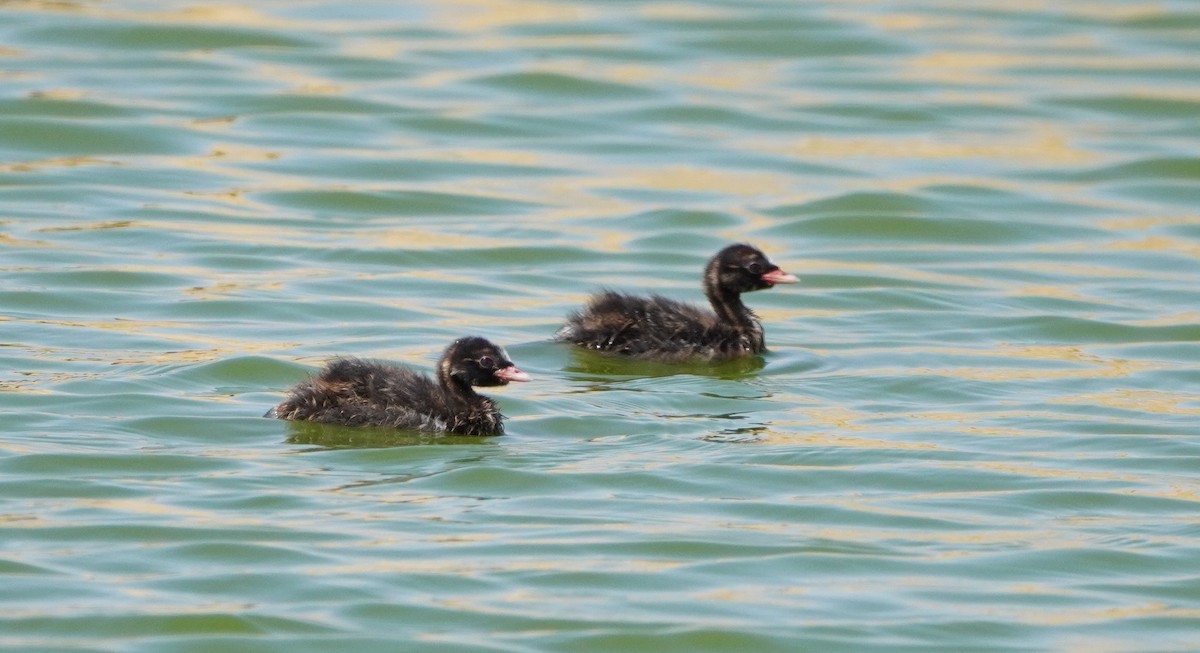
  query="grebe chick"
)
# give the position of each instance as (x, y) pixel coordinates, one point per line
(358, 392)
(660, 329)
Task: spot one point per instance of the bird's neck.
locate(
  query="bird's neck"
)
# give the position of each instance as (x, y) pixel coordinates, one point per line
(454, 385)
(729, 307)
(730, 310)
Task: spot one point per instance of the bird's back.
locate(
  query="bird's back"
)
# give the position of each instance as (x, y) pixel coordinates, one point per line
(359, 392)
(653, 327)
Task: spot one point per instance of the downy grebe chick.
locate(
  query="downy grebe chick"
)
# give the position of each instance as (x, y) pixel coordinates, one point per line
(661, 329)
(358, 392)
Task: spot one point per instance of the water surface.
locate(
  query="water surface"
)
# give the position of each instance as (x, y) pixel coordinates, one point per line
(976, 429)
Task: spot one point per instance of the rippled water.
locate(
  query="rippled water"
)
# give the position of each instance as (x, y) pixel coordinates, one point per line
(976, 429)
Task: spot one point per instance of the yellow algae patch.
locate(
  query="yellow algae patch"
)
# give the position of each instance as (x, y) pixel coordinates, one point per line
(237, 153)
(64, 162)
(58, 94)
(221, 120)
(114, 224)
(223, 289)
(1061, 616)
(9, 241)
(25, 387)
(1175, 492)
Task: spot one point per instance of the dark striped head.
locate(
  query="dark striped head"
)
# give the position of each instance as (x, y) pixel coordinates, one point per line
(742, 268)
(475, 361)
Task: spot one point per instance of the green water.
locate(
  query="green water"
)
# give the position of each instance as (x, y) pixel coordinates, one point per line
(976, 429)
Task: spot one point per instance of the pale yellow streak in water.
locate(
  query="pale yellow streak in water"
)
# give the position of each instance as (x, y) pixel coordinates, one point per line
(64, 162)
(1080, 270)
(1175, 492)
(216, 15)
(497, 15)
(886, 273)
(1115, 12)
(9, 241)
(1114, 369)
(1143, 222)
(58, 94)
(401, 239)
(1060, 616)
(834, 417)
(476, 566)
(756, 76)
(1171, 319)
(26, 386)
(218, 347)
(907, 22)
(955, 422)
(1052, 291)
(909, 184)
(690, 178)
(302, 82)
(1151, 401)
(218, 161)
(507, 43)
(678, 11)
(489, 156)
(1043, 148)
(224, 289)
(364, 47)
(1157, 244)
(1027, 469)
(831, 439)
(1098, 366)
(967, 66)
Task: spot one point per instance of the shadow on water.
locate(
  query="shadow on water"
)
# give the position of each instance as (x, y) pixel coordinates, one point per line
(742, 435)
(332, 436)
(589, 366)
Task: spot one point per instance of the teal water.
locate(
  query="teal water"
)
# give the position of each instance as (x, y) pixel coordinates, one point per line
(976, 429)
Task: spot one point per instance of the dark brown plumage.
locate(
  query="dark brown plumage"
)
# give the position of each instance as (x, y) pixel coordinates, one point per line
(661, 329)
(358, 392)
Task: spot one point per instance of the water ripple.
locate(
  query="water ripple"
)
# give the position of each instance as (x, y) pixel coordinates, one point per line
(974, 429)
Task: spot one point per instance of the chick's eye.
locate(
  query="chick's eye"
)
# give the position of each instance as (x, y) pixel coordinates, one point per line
(487, 362)
(754, 268)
